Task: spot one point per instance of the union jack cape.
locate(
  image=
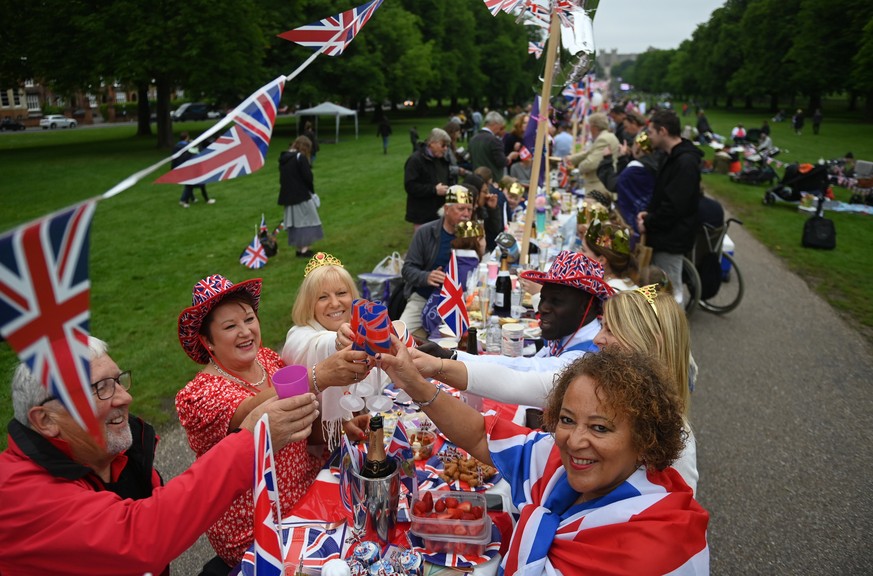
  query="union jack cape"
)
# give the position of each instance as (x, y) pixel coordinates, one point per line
(239, 151)
(333, 34)
(650, 524)
(268, 548)
(44, 306)
(453, 309)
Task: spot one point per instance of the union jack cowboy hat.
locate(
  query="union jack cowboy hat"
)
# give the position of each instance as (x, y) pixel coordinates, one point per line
(576, 270)
(205, 296)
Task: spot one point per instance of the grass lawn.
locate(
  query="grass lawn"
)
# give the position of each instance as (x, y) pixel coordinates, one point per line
(844, 276)
(147, 251)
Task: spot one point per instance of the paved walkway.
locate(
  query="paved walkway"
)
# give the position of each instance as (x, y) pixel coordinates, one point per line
(784, 431)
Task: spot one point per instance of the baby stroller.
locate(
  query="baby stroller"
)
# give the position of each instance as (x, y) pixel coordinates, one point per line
(797, 180)
(756, 168)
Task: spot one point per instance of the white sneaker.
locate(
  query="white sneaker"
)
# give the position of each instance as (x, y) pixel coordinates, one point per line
(184, 204)
(211, 201)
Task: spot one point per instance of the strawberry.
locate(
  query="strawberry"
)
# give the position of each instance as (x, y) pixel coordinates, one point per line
(460, 531)
(439, 506)
(420, 509)
(477, 512)
(451, 502)
(427, 498)
(454, 513)
(465, 506)
(467, 516)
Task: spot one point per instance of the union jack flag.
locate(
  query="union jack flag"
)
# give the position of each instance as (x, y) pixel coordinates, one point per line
(495, 6)
(263, 227)
(44, 306)
(535, 48)
(268, 544)
(333, 34)
(311, 547)
(254, 256)
(453, 309)
(240, 150)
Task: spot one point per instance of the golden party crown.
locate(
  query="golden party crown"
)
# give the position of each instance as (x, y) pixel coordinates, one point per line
(458, 194)
(608, 235)
(649, 292)
(321, 259)
(470, 229)
(516, 190)
(591, 212)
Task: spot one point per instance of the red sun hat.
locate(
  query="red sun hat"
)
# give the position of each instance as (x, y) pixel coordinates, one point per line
(205, 296)
(576, 270)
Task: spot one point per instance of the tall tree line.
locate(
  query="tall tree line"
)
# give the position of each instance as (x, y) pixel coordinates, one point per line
(223, 50)
(782, 52)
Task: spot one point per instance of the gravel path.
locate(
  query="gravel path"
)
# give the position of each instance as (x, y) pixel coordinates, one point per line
(782, 415)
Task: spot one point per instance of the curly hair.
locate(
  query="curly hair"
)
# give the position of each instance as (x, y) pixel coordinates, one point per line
(636, 386)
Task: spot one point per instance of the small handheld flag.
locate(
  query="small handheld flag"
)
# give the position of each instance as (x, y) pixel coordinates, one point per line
(452, 309)
(254, 256)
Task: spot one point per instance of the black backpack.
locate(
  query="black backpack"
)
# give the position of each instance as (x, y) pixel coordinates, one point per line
(818, 231)
(268, 241)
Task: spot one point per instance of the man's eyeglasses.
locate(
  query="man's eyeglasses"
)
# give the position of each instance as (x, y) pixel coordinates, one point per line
(104, 389)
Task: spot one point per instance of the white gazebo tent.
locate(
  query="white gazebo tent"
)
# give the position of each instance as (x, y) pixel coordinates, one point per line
(328, 109)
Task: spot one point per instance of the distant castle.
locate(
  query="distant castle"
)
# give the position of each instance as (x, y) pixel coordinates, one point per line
(612, 58)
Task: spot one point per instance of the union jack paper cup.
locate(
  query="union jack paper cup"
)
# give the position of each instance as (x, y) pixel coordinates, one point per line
(403, 334)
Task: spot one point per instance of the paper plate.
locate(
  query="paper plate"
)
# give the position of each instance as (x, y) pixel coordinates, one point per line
(435, 467)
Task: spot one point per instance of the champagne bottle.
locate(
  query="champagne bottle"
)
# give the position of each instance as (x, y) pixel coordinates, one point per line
(503, 291)
(378, 464)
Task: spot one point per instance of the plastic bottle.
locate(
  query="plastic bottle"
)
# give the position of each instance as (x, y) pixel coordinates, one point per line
(493, 337)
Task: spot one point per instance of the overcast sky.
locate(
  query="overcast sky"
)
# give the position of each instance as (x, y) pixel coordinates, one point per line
(632, 26)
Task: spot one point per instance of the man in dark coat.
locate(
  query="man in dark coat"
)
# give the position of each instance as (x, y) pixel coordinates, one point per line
(426, 177)
(486, 147)
(671, 221)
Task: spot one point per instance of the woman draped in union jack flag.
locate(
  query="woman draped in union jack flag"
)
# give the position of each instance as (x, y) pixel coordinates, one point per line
(595, 491)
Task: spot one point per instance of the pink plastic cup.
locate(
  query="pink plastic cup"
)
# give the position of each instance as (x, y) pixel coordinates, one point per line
(492, 271)
(291, 381)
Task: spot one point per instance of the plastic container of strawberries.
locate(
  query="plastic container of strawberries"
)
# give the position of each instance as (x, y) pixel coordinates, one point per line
(451, 517)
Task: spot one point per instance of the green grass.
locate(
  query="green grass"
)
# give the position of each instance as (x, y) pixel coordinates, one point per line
(844, 276)
(147, 252)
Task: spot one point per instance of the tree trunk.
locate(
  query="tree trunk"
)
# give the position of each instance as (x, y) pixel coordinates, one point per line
(165, 127)
(748, 103)
(143, 121)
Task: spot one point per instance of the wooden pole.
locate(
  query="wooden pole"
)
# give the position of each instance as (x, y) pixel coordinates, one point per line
(552, 44)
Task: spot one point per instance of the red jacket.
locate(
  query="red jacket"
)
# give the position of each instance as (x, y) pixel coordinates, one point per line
(57, 517)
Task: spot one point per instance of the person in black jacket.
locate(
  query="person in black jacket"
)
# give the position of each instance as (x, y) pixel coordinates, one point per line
(426, 178)
(297, 195)
(671, 221)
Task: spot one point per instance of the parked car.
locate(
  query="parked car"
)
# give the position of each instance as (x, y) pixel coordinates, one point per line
(11, 125)
(56, 121)
(191, 111)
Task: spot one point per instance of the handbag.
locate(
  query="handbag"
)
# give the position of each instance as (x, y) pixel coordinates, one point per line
(642, 253)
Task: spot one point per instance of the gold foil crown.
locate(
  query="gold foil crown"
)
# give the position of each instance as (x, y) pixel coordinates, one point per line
(321, 259)
(458, 194)
(591, 212)
(516, 190)
(470, 229)
(608, 236)
(644, 142)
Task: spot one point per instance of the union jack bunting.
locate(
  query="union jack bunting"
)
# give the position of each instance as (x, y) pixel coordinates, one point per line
(495, 6)
(333, 34)
(535, 48)
(254, 256)
(44, 306)
(453, 309)
(240, 150)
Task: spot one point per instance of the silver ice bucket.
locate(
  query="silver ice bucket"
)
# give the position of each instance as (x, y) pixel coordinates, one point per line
(374, 504)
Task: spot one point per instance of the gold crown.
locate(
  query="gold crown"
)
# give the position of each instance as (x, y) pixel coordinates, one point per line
(516, 190)
(458, 194)
(644, 142)
(469, 229)
(611, 236)
(321, 259)
(591, 212)
(649, 292)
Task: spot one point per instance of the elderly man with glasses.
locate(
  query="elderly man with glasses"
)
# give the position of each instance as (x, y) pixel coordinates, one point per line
(426, 179)
(71, 506)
